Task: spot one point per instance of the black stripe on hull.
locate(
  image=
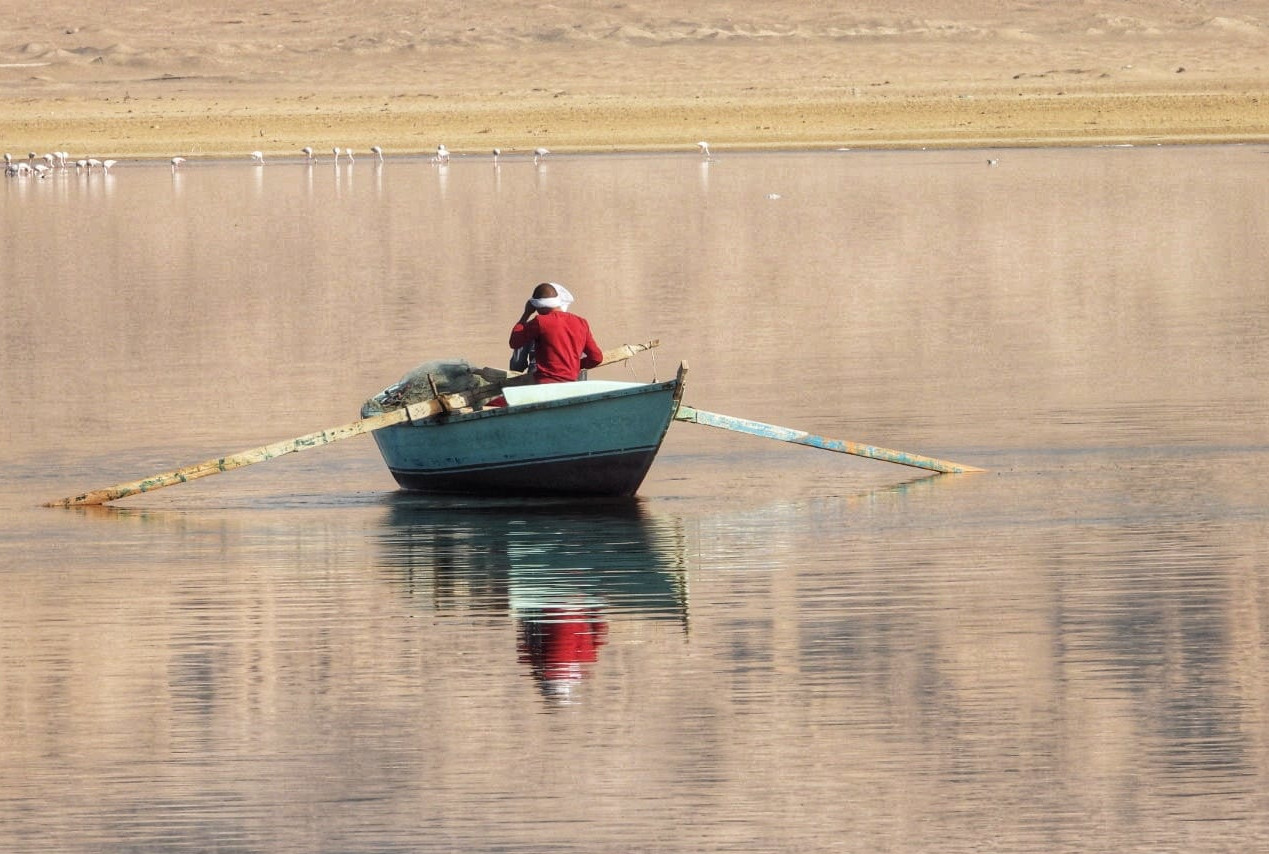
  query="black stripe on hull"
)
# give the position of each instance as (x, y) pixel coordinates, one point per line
(608, 475)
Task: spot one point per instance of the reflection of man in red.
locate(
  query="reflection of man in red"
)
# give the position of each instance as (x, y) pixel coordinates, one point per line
(556, 642)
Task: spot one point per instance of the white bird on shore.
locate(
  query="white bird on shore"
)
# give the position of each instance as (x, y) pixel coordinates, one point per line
(257, 157)
(106, 164)
(176, 163)
(496, 152)
(308, 154)
(348, 153)
(377, 152)
(442, 154)
(539, 153)
(704, 147)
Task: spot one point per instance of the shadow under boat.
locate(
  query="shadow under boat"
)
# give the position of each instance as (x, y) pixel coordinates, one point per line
(561, 570)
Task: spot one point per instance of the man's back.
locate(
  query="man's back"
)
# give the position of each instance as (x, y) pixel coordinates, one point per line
(565, 345)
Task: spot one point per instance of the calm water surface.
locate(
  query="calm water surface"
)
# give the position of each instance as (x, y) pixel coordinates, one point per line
(774, 648)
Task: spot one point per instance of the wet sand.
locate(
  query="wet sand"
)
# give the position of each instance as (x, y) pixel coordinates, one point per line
(96, 79)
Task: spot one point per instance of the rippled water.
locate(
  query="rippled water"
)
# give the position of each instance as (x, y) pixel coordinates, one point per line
(774, 648)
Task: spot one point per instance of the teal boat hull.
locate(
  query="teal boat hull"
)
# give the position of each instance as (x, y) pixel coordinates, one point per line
(584, 439)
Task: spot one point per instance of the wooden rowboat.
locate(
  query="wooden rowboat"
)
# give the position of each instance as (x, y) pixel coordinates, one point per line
(587, 438)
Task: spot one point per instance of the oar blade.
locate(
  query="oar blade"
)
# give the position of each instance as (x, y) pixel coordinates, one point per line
(249, 457)
(801, 437)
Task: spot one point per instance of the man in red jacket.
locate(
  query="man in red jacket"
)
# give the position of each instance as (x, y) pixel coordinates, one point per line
(563, 343)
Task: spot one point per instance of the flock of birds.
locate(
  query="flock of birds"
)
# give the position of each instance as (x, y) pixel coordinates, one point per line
(441, 156)
(41, 166)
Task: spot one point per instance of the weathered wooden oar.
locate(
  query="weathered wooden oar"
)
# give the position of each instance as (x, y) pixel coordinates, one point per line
(413, 412)
(800, 437)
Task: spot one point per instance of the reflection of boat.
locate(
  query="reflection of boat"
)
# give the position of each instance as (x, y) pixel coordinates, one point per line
(585, 438)
(521, 556)
(563, 572)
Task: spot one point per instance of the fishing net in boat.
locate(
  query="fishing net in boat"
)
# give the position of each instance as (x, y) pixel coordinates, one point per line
(450, 375)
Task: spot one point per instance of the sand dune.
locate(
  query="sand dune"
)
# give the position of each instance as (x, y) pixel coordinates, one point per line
(206, 79)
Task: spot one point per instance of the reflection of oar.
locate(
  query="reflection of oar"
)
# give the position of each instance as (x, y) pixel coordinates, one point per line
(799, 437)
(414, 412)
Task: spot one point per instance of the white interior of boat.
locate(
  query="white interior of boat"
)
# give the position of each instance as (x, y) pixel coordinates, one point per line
(524, 394)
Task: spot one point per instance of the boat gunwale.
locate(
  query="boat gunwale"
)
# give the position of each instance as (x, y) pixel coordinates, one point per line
(557, 403)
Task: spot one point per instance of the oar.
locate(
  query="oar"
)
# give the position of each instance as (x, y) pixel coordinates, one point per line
(414, 412)
(800, 437)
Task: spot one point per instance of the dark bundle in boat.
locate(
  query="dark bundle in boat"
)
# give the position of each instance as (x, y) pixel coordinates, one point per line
(442, 376)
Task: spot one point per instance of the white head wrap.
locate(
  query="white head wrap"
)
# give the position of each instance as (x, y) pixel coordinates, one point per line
(562, 299)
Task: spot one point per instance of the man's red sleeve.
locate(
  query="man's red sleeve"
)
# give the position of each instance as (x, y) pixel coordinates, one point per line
(592, 356)
(523, 333)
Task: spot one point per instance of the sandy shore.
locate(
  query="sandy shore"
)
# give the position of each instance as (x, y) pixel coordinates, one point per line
(205, 82)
